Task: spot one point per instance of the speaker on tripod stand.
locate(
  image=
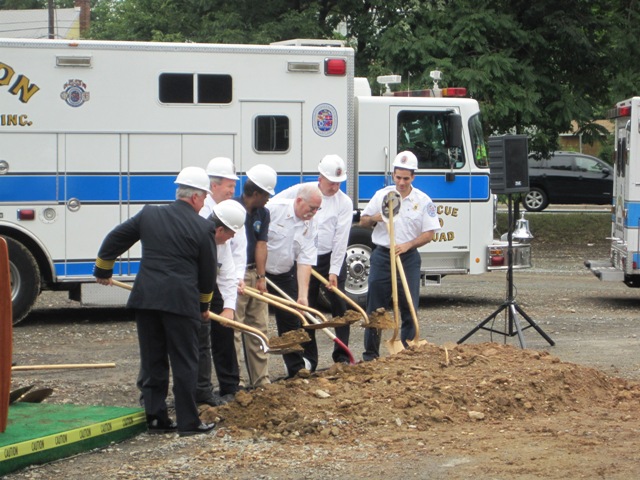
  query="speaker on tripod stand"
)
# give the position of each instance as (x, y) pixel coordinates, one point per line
(508, 161)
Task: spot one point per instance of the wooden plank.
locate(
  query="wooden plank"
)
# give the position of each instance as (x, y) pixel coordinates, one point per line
(6, 334)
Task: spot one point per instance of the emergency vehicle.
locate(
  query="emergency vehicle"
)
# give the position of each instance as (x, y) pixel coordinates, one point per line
(90, 131)
(623, 264)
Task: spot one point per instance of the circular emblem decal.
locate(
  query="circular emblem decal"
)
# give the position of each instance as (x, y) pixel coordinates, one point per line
(75, 93)
(325, 120)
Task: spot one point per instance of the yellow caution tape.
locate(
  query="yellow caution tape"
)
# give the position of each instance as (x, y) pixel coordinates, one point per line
(61, 439)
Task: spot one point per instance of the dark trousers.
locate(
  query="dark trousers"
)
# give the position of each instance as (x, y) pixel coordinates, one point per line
(168, 339)
(286, 321)
(338, 309)
(217, 344)
(379, 295)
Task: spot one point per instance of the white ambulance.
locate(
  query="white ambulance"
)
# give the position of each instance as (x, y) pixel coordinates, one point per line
(91, 131)
(623, 264)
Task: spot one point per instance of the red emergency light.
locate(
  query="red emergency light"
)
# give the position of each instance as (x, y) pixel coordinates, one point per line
(26, 214)
(619, 112)
(445, 92)
(335, 66)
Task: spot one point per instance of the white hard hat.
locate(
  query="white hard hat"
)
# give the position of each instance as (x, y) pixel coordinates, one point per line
(406, 160)
(264, 177)
(194, 177)
(231, 213)
(332, 167)
(222, 167)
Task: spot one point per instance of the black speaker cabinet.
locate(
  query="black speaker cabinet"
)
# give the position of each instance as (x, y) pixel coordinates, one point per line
(508, 163)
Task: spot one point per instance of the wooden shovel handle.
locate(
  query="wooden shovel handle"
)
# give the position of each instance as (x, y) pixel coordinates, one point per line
(340, 293)
(62, 366)
(275, 303)
(407, 292)
(394, 278)
(289, 303)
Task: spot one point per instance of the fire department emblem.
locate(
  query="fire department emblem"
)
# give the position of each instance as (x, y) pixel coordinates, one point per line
(75, 93)
(338, 172)
(325, 120)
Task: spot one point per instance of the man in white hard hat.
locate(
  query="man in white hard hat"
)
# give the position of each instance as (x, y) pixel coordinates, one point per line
(259, 186)
(291, 253)
(334, 224)
(170, 296)
(415, 226)
(217, 341)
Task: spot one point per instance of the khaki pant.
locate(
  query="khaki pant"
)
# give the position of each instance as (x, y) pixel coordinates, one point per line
(254, 313)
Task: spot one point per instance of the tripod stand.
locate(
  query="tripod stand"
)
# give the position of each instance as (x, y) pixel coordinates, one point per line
(510, 305)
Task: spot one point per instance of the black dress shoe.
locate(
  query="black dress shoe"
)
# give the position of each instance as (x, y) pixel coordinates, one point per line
(155, 426)
(202, 429)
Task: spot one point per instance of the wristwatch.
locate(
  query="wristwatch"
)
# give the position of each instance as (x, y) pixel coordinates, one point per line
(260, 276)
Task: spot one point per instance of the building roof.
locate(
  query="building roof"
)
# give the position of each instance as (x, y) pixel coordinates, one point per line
(35, 23)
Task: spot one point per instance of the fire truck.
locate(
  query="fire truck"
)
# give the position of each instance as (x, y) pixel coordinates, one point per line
(90, 131)
(623, 264)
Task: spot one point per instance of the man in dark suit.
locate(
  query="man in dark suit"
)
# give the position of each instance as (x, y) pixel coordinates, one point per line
(171, 295)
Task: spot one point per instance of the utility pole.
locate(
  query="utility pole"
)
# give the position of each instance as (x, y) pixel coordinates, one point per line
(51, 29)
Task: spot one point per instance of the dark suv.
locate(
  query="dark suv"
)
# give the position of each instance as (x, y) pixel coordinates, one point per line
(568, 178)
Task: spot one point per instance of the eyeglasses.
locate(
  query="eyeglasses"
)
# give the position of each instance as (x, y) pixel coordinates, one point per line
(312, 208)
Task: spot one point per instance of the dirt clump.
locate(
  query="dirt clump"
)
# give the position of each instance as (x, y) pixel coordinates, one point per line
(289, 339)
(380, 319)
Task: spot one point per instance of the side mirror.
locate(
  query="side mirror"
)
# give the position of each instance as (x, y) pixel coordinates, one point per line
(454, 131)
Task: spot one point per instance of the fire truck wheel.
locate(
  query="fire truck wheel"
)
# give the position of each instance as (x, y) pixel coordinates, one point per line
(358, 262)
(535, 200)
(25, 279)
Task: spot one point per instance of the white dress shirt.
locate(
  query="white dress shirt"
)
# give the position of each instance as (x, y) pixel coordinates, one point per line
(334, 221)
(290, 239)
(417, 215)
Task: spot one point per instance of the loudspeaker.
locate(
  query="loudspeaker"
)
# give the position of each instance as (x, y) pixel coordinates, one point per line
(508, 163)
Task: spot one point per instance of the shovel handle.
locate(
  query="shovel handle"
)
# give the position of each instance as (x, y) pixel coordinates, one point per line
(264, 341)
(407, 292)
(311, 318)
(64, 366)
(394, 279)
(276, 303)
(289, 303)
(341, 294)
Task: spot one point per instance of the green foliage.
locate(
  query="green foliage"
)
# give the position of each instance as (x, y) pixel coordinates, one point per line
(564, 228)
(534, 66)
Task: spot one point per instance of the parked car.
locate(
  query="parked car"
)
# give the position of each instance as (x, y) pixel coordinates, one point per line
(568, 178)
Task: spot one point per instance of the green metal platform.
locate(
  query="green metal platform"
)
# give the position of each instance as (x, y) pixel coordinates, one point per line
(39, 433)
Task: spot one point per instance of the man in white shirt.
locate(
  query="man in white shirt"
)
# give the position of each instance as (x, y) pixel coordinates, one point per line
(292, 252)
(415, 226)
(334, 221)
(216, 340)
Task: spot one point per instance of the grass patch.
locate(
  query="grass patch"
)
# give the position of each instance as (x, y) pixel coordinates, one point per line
(577, 228)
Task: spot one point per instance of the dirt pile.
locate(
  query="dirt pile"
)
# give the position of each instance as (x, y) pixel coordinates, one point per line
(422, 388)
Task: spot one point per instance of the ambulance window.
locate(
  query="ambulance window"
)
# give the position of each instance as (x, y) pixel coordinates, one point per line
(477, 142)
(176, 88)
(271, 133)
(214, 89)
(424, 134)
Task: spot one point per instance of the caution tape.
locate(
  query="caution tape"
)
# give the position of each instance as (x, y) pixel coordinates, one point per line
(11, 452)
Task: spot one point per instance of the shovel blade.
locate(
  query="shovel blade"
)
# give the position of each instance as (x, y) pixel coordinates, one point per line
(36, 396)
(416, 343)
(394, 346)
(18, 392)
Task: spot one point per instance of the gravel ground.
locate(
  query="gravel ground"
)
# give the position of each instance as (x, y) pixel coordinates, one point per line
(592, 324)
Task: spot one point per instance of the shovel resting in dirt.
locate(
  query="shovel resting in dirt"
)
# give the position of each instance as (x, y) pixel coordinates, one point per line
(343, 295)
